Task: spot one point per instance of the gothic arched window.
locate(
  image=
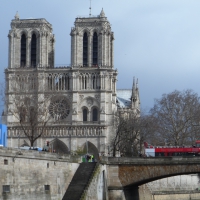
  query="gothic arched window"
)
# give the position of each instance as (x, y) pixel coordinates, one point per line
(23, 51)
(33, 50)
(85, 83)
(95, 49)
(85, 112)
(93, 82)
(22, 114)
(32, 115)
(67, 82)
(50, 82)
(85, 49)
(94, 114)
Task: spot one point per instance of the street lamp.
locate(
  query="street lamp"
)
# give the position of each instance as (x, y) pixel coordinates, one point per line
(86, 140)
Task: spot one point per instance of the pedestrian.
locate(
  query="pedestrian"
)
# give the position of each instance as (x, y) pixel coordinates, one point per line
(92, 158)
(88, 158)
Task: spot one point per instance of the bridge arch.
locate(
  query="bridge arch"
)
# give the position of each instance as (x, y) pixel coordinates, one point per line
(129, 173)
(138, 175)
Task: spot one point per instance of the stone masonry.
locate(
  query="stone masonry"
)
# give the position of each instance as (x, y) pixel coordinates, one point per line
(34, 175)
(81, 98)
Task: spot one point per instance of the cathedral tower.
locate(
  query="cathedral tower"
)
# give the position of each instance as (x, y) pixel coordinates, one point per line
(92, 41)
(31, 43)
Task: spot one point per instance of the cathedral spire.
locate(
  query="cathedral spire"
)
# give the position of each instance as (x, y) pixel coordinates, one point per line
(134, 88)
(135, 99)
(17, 16)
(102, 14)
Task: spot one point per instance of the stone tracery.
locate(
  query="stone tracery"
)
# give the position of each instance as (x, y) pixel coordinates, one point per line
(59, 108)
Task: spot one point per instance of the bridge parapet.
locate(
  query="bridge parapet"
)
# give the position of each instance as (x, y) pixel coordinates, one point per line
(127, 172)
(38, 155)
(150, 161)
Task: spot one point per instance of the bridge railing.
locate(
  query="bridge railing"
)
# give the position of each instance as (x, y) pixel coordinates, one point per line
(150, 160)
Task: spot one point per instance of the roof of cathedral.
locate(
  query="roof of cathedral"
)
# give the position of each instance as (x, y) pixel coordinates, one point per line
(124, 97)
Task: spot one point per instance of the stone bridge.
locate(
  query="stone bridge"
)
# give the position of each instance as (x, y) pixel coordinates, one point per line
(124, 175)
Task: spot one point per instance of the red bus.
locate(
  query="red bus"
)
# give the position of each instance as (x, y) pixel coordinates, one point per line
(154, 151)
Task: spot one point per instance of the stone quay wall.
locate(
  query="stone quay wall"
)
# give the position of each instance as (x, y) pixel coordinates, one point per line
(176, 195)
(32, 175)
(97, 186)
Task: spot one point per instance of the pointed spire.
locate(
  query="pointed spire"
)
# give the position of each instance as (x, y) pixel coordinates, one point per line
(102, 14)
(136, 84)
(135, 98)
(134, 89)
(17, 16)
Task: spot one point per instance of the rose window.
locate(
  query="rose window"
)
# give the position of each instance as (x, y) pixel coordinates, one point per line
(59, 109)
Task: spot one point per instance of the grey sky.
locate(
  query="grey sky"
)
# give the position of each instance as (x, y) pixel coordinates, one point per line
(157, 41)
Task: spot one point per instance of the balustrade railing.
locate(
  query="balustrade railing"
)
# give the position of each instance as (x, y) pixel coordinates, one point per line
(87, 16)
(65, 123)
(60, 66)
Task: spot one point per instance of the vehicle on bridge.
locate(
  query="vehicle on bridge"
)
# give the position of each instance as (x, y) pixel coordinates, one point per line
(155, 151)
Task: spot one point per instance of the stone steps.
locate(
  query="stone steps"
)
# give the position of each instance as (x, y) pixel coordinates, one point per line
(79, 181)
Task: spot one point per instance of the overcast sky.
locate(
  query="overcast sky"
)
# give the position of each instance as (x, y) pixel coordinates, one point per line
(156, 41)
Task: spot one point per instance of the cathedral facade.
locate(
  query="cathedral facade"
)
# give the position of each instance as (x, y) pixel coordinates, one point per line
(82, 98)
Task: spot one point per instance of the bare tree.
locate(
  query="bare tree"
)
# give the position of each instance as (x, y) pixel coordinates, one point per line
(29, 105)
(130, 133)
(177, 117)
(147, 127)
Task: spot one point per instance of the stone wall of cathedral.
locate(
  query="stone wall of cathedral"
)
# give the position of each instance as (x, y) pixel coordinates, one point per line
(82, 89)
(79, 100)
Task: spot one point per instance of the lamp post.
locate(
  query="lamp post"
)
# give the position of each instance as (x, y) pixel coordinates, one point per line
(86, 140)
(18, 140)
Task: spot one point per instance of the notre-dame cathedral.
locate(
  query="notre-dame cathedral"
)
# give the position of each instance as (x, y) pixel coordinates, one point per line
(84, 96)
